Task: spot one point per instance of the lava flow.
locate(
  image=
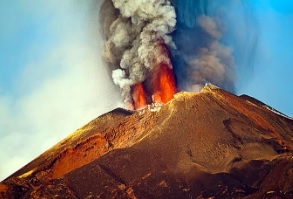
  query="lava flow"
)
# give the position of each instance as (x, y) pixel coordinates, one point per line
(161, 85)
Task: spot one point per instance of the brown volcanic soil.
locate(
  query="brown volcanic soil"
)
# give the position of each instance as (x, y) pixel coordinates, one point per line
(199, 145)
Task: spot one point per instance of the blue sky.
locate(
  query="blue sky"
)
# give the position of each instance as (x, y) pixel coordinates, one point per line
(271, 80)
(53, 81)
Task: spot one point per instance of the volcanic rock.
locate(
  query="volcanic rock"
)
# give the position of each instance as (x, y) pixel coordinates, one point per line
(210, 144)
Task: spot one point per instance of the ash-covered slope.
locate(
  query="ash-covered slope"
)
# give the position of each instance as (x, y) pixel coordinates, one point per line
(199, 145)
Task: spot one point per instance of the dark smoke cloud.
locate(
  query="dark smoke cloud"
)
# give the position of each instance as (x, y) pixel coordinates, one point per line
(198, 33)
(201, 56)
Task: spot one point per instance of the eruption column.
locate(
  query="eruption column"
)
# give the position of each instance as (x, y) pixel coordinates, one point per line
(163, 79)
(137, 35)
(160, 86)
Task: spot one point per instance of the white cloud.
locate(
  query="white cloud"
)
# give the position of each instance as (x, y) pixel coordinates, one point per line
(63, 85)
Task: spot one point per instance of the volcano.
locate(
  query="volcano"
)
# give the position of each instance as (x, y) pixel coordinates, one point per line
(210, 144)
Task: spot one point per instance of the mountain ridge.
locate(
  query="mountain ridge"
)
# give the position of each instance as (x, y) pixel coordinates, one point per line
(197, 145)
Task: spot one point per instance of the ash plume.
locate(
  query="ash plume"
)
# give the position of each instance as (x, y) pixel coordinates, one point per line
(201, 56)
(134, 27)
(193, 30)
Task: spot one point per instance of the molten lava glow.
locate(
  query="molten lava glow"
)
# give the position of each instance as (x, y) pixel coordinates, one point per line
(163, 79)
(164, 86)
(161, 85)
(139, 96)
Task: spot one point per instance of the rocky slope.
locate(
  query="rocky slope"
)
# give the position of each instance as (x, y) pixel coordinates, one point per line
(210, 144)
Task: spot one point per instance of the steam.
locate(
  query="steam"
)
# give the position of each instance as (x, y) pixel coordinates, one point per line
(131, 39)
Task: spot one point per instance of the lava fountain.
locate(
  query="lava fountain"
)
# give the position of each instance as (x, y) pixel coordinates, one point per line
(138, 96)
(160, 86)
(164, 86)
(137, 38)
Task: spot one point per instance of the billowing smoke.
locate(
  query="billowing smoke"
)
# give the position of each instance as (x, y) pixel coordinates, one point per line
(192, 30)
(133, 31)
(201, 57)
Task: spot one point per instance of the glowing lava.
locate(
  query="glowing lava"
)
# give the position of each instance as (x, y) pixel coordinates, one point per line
(139, 96)
(164, 86)
(161, 85)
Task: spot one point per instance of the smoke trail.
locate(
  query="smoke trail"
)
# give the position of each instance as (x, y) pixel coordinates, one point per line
(200, 57)
(133, 30)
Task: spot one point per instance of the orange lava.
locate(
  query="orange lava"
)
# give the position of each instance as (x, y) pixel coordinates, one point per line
(164, 86)
(139, 96)
(160, 86)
